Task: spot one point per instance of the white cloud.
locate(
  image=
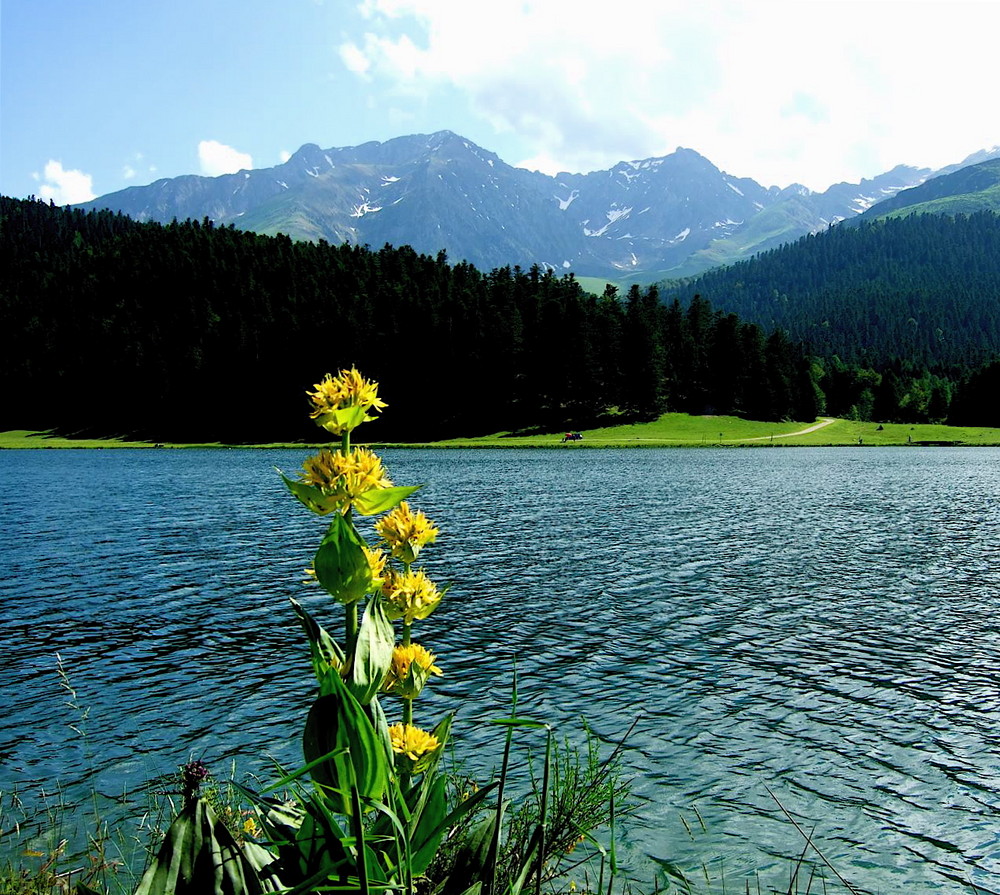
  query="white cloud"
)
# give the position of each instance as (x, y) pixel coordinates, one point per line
(354, 58)
(216, 158)
(813, 91)
(128, 172)
(65, 187)
(284, 155)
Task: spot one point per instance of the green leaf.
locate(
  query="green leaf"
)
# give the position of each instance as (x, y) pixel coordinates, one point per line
(348, 750)
(320, 843)
(428, 829)
(376, 715)
(326, 653)
(343, 418)
(199, 856)
(472, 856)
(373, 653)
(311, 496)
(341, 565)
(519, 722)
(379, 500)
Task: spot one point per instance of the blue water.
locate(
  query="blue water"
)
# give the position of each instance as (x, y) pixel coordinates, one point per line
(817, 622)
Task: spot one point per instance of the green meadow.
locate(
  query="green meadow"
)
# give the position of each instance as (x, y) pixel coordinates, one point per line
(670, 430)
(683, 430)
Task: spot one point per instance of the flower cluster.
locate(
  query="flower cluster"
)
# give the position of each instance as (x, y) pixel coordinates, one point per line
(410, 595)
(405, 531)
(411, 665)
(342, 402)
(345, 477)
(414, 744)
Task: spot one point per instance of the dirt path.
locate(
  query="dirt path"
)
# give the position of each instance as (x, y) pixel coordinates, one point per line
(824, 421)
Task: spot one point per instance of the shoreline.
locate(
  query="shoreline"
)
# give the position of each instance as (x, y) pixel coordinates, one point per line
(669, 431)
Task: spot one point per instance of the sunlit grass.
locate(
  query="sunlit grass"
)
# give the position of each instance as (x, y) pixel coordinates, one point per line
(670, 430)
(27, 438)
(683, 430)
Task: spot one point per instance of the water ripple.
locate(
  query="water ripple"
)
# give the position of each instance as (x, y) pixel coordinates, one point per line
(817, 622)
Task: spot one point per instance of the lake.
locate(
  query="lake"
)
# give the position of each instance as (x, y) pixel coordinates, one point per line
(822, 623)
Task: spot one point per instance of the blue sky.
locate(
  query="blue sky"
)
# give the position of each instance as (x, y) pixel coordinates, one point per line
(98, 95)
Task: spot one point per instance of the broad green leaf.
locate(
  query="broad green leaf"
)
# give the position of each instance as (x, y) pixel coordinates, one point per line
(199, 856)
(320, 844)
(376, 715)
(428, 830)
(344, 418)
(373, 654)
(326, 653)
(380, 500)
(338, 727)
(442, 730)
(312, 497)
(414, 682)
(341, 565)
(471, 860)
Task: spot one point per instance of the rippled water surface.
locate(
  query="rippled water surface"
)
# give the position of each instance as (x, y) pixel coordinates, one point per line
(821, 623)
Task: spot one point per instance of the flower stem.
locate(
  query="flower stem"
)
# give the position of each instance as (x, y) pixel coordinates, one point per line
(407, 703)
(351, 615)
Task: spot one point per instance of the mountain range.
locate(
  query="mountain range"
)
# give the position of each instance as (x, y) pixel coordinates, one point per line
(644, 220)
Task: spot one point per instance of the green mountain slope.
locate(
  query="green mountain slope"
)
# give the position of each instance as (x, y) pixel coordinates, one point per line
(968, 190)
(925, 287)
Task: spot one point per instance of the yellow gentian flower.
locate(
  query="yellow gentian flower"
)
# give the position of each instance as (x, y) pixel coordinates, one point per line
(415, 744)
(342, 402)
(345, 477)
(409, 595)
(406, 531)
(376, 562)
(399, 681)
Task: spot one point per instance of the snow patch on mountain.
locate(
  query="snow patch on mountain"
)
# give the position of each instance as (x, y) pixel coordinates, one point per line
(359, 211)
(565, 203)
(613, 215)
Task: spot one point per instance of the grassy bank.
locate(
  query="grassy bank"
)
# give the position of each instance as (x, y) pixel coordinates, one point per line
(682, 430)
(670, 430)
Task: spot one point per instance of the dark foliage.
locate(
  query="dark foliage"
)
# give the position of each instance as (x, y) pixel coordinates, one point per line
(902, 311)
(923, 288)
(188, 331)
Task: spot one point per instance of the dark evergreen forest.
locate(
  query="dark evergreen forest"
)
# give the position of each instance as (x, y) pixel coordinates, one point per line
(188, 331)
(923, 289)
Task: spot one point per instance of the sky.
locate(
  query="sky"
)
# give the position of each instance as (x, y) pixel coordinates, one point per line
(100, 95)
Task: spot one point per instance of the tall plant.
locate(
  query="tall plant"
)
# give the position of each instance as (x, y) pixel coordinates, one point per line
(370, 808)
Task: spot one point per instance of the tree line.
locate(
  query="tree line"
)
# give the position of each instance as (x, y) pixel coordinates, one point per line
(188, 331)
(922, 288)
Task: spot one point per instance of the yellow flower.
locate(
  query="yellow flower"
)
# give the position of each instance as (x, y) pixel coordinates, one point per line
(319, 471)
(406, 531)
(345, 476)
(410, 595)
(376, 562)
(416, 744)
(341, 402)
(404, 658)
(361, 470)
